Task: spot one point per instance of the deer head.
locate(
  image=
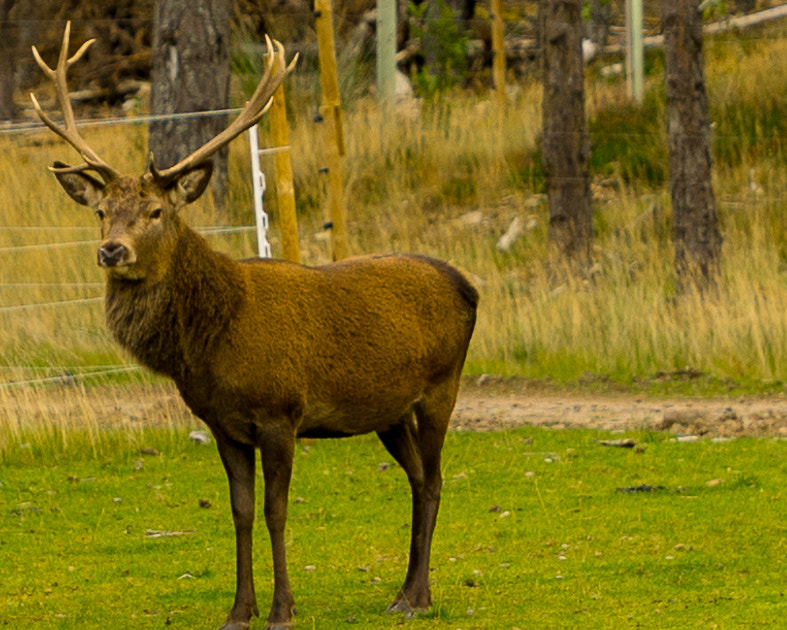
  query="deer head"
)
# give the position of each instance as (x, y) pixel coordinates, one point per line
(138, 213)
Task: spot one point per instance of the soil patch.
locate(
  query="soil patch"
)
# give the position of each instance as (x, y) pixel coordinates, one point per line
(488, 403)
(484, 404)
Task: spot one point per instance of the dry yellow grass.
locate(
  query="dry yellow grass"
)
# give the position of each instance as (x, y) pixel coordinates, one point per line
(445, 181)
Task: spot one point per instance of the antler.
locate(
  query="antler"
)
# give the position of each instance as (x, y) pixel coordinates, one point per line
(69, 132)
(252, 113)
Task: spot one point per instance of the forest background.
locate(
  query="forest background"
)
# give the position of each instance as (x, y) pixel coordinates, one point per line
(447, 174)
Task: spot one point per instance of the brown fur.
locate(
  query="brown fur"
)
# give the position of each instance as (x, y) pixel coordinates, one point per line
(266, 351)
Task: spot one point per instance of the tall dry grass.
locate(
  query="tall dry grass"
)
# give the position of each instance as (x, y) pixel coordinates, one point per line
(447, 180)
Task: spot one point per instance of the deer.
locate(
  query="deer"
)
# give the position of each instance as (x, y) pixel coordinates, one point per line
(266, 351)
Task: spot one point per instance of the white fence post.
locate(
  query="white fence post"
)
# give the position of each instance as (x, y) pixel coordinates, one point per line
(258, 183)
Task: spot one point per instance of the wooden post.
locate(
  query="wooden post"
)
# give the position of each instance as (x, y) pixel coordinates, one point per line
(386, 49)
(285, 190)
(498, 52)
(331, 113)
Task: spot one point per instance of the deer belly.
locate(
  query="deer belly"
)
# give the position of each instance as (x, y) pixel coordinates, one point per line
(327, 420)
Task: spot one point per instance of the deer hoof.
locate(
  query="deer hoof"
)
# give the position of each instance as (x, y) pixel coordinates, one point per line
(236, 625)
(400, 606)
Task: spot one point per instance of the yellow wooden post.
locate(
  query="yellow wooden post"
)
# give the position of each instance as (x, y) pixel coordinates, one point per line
(331, 112)
(285, 190)
(498, 52)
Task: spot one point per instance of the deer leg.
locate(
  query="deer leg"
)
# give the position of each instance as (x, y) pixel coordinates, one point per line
(416, 447)
(401, 442)
(238, 460)
(278, 447)
(430, 439)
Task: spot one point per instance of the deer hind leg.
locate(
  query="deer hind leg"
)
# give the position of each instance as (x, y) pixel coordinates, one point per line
(238, 460)
(417, 450)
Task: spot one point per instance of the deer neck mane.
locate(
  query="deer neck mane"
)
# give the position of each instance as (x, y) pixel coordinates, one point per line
(169, 324)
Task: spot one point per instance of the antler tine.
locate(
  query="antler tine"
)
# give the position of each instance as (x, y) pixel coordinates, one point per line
(69, 131)
(256, 107)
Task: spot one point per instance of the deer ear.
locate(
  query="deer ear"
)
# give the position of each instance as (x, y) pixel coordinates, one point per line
(190, 186)
(81, 187)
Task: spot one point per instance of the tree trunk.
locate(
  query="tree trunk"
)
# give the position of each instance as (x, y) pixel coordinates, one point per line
(695, 224)
(430, 42)
(8, 51)
(190, 73)
(566, 144)
(600, 12)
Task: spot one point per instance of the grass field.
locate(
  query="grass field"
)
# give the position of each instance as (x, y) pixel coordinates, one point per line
(534, 532)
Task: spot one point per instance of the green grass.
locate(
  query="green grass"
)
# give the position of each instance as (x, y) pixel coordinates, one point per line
(533, 533)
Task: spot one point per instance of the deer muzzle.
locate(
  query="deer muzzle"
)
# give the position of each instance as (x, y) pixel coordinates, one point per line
(113, 254)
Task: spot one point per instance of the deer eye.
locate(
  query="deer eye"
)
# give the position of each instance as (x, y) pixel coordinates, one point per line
(155, 214)
(100, 214)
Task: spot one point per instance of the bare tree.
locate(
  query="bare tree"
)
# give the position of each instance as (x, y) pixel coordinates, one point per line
(600, 14)
(190, 73)
(8, 41)
(566, 144)
(695, 224)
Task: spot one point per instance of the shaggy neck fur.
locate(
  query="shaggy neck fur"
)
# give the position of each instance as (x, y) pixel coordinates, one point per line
(172, 323)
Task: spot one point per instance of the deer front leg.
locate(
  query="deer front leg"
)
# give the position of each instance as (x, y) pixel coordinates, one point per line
(277, 446)
(238, 460)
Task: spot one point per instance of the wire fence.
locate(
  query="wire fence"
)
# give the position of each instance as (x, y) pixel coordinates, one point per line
(54, 245)
(65, 374)
(13, 128)
(52, 236)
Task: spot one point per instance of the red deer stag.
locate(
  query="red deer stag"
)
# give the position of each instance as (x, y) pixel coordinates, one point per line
(265, 351)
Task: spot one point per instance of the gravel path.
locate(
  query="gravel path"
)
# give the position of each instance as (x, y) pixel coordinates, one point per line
(487, 404)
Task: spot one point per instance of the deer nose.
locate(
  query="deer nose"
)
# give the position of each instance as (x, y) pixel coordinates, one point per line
(111, 254)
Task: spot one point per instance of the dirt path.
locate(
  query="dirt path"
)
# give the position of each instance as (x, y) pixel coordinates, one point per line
(484, 404)
(488, 404)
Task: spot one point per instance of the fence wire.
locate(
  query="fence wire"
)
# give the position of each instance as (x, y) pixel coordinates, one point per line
(519, 28)
(50, 235)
